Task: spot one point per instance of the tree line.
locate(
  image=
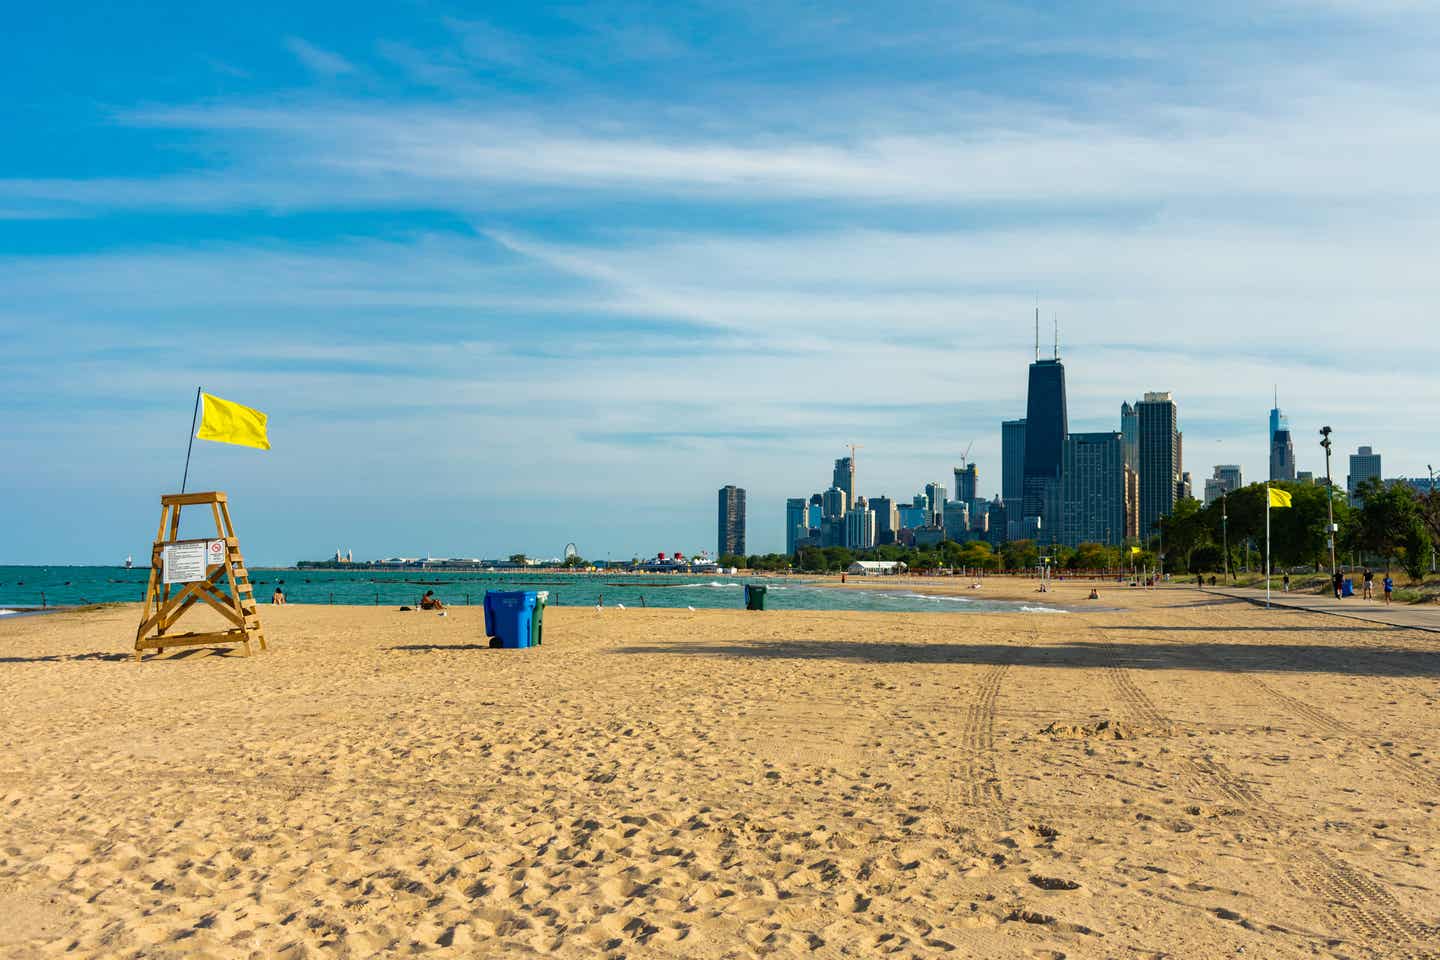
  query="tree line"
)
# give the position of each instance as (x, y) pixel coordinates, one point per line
(1391, 524)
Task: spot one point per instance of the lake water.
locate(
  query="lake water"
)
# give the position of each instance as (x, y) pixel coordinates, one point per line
(24, 587)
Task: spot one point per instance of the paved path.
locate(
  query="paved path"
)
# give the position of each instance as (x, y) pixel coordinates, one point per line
(1413, 616)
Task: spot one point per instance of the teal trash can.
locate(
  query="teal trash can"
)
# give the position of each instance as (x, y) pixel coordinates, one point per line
(754, 596)
(537, 617)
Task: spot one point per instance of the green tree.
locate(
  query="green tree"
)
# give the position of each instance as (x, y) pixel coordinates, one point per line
(1388, 518)
(1415, 543)
(1020, 555)
(1429, 504)
(1092, 556)
(977, 554)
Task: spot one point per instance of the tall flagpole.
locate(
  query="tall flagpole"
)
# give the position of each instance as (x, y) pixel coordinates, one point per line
(194, 415)
(1267, 546)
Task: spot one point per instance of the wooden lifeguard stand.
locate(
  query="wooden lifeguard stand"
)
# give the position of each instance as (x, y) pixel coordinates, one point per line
(167, 599)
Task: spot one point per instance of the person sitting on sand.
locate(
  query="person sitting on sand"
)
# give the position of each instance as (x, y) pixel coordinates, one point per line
(1094, 594)
(431, 602)
(278, 597)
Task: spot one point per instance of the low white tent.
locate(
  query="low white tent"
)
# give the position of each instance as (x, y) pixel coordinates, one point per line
(875, 568)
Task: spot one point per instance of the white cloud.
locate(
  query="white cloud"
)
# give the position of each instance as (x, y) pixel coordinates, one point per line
(317, 60)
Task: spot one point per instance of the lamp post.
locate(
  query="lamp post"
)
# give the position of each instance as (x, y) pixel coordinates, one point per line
(1225, 534)
(1330, 528)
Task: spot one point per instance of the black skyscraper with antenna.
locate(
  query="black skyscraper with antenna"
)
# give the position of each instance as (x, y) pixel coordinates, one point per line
(1046, 424)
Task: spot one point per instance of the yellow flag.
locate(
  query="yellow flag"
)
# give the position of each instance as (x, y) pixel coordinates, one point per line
(227, 422)
(1134, 550)
(1278, 497)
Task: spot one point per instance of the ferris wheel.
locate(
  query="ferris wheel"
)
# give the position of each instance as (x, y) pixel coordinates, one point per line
(570, 551)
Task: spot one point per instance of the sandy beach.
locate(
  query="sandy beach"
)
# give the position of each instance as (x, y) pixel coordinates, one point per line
(1157, 774)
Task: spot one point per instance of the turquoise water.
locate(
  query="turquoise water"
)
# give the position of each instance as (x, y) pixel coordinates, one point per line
(25, 587)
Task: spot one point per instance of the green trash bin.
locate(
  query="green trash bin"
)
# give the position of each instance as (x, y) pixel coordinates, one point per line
(754, 596)
(542, 597)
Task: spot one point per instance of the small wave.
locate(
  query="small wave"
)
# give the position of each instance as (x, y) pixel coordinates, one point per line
(714, 583)
(1042, 609)
(936, 598)
(4, 613)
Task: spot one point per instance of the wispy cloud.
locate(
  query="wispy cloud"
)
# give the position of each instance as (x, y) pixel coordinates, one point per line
(317, 60)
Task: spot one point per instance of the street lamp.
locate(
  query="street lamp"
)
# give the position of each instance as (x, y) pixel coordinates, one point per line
(1225, 534)
(1330, 528)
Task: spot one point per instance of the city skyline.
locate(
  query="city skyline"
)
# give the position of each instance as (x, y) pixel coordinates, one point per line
(493, 278)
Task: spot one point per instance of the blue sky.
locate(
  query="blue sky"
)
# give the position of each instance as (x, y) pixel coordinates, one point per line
(510, 276)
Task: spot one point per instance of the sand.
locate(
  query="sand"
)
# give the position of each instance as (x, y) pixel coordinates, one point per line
(1160, 774)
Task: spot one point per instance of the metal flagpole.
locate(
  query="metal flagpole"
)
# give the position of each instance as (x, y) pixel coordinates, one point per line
(1267, 546)
(195, 414)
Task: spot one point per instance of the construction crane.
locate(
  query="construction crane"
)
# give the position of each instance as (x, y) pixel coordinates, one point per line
(965, 457)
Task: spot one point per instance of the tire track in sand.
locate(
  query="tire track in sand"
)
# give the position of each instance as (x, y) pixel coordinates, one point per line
(1362, 905)
(975, 780)
(1204, 773)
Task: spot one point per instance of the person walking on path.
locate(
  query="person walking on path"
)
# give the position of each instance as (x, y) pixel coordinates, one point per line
(1285, 583)
(1389, 587)
(1369, 584)
(1339, 583)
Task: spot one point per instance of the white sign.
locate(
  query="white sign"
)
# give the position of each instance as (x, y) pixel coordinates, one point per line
(184, 562)
(217, 552)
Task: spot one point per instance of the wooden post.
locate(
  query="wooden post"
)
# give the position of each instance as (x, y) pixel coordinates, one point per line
(162, 607)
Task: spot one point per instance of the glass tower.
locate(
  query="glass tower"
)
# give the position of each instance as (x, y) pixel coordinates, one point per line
(1159, 448)
(732, 520)
(1012, 461)
(1046, 423)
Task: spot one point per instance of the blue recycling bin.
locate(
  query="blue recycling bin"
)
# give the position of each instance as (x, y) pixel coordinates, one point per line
(508, 616)
(1347, 587)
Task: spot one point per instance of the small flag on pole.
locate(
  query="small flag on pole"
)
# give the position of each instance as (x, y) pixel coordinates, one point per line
(1134, 550)
(1278, 497)
(224, 421)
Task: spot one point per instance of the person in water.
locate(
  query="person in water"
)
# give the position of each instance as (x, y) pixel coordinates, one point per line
(431, 602)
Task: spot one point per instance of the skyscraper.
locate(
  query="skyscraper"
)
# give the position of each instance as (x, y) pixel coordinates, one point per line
(1095, 473)
(935, 501)
(1012, 461)
(1225, 480)
(886, 520)
(1130, 432)
(955, 518)
(1364, 465)
(913, 514)
(998, 523)
(1158, 420)
(834, 504)
(1046, 423)
(1282, 455)
(844, 478)
(1277, 419)
(797, 525)
(967, 481)
(732, 520)
(1282, 448)
(860, 528)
